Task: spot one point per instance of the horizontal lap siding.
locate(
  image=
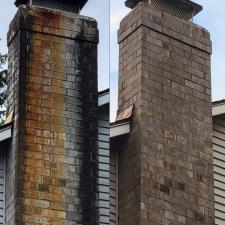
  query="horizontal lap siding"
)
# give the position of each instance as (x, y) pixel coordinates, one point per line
(103, 137)
(219, 168)
(113, 188)
(2, 185)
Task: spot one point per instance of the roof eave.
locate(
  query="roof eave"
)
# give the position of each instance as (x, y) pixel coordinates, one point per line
(218, 108)
(5, 132)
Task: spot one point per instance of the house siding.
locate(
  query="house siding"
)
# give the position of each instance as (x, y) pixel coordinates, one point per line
(219, 168)
(113, 187)
(103, 158)
(2, 183)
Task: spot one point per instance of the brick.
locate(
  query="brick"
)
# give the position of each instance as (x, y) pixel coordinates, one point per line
(37, 203)
(53, 92)
(160, 166)
(195, 86)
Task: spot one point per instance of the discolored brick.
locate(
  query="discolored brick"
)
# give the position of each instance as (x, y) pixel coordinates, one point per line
(53, 93)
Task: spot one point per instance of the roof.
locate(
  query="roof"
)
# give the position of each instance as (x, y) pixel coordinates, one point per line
(80, 3)
(103, 98)
(122, 125)
(120, 128)
(184, 5)
(218, 108)
(5, 132)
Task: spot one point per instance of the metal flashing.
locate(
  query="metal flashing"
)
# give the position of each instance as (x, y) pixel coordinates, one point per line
(185, 9)
(125, 114)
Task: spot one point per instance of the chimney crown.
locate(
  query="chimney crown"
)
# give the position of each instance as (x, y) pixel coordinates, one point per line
(72, 6)
(184, 9)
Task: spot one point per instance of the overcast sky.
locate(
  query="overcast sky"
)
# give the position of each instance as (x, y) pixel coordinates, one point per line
(212, 18)
(98, 9)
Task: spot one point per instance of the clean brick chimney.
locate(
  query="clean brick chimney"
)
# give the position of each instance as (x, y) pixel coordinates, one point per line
(165, 165)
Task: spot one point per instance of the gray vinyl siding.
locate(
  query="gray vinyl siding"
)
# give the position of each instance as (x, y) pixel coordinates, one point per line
(2, 185)
(219, 168)
(113, 187)
(103, 134)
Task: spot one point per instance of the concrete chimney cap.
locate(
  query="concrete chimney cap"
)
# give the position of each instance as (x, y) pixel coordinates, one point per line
(185, 5)
(79, 3)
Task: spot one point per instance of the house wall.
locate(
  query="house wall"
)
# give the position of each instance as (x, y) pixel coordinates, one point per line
(2, 182)
(103, 158)
(113, 187)
(166, 165)
(219, 168)
(52, 164)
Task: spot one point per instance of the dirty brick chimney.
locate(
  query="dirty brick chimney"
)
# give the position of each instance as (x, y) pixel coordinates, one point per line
(165, 166)
(52, 166)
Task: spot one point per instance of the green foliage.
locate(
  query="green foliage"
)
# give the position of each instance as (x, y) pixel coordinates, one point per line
(3, 87)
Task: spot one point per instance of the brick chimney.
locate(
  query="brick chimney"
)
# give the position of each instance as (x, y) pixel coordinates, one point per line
(52, 163)
(165, 166)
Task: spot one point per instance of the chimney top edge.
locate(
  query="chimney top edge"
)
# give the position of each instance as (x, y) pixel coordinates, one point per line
(179, 7)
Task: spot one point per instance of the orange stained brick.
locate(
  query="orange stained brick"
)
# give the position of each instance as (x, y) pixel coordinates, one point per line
(32, 194)
(58, 206)
(34, 86)
(36, 94)
(37, 203)
(57, 173)
(56, 57)
(57, 127)
(53, 105)
(34, 71)
(48, 118)
(34, 132)
(47, 134)
(38, 171)
(52, 149)
(34, 139)
(53, 119)
(34, 147)
(33, 162)
(30, 210)
(48, 180)
(59, 158)
(36, 42)
(49, 164)
(54, 197)
(60, 136)
(57, 143)
(32, 153)
(58, 98)
(54, 90)
(58, 190)
(57, 83)
(30, 219)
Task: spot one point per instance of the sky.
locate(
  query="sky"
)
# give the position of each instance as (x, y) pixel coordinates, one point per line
(98, 9)
(212, 18)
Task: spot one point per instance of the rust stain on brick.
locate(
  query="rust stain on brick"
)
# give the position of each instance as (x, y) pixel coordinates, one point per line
(49, 190)
(55, 142)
